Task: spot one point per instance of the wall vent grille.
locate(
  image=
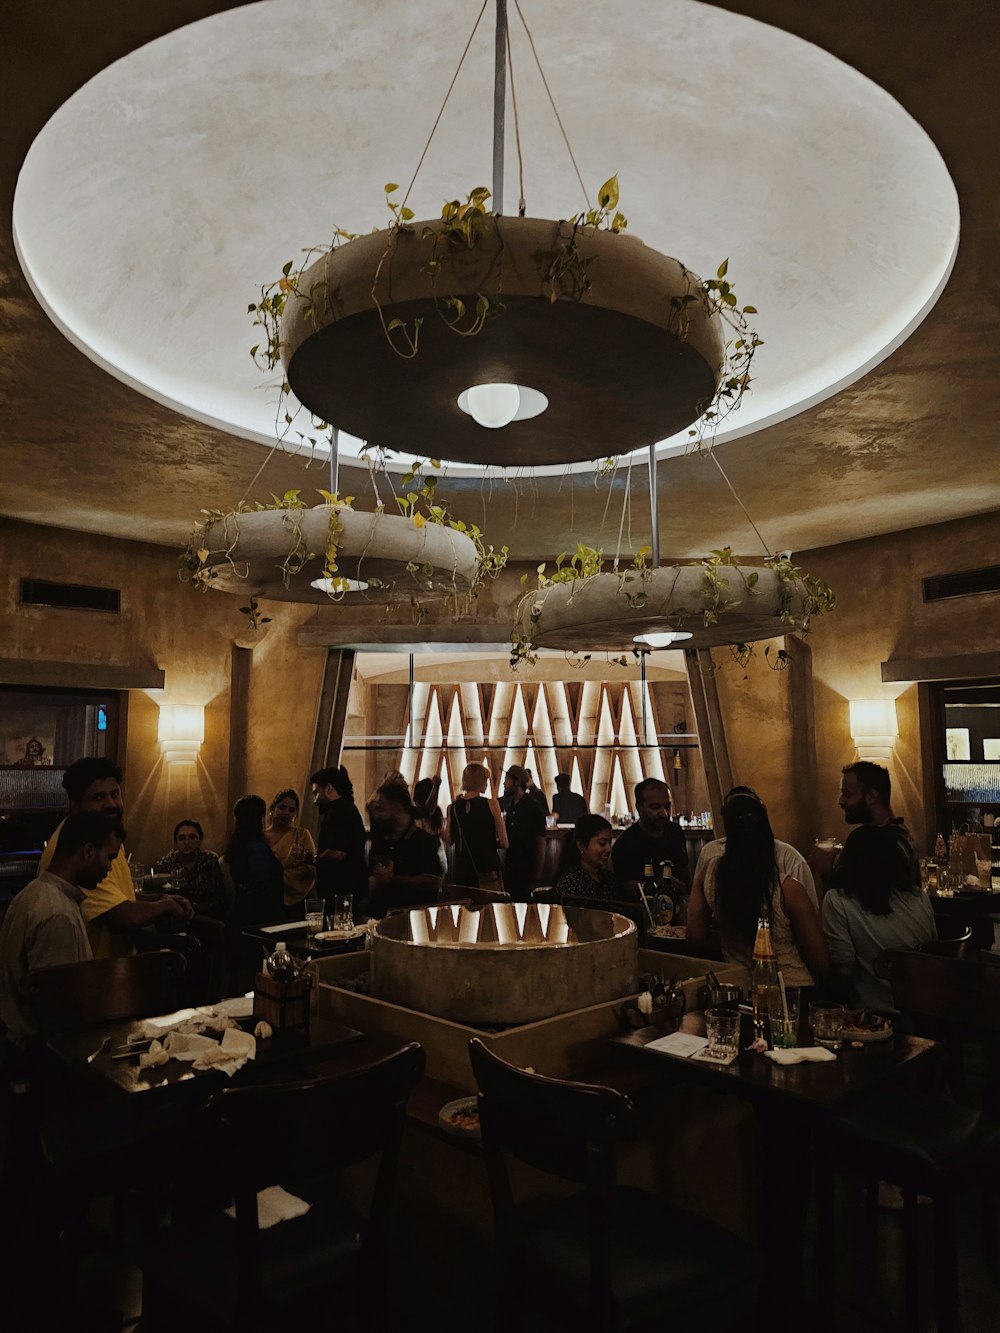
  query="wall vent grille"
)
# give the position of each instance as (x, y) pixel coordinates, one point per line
(964, 584)
(69, 596)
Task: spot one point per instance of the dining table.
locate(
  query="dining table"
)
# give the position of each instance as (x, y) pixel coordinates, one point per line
(790, 1105)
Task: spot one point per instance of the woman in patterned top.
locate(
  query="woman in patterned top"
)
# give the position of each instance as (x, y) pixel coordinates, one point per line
(197, 873)
(585, 859)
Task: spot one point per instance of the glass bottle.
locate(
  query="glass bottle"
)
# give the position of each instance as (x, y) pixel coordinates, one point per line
(280, 964)
(764, 989)
(666, 903)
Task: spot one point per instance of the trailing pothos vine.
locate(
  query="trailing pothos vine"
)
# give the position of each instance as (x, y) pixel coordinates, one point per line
(801, 597)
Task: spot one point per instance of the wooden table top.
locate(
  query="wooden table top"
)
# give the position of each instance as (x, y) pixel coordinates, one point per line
(822, 1087)
(286, 1050)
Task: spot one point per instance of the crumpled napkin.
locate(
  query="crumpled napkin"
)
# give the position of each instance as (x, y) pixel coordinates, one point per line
(207, 1017)
(156, 1055)
(229, 1055)
(275, 1205)
(797, 1055)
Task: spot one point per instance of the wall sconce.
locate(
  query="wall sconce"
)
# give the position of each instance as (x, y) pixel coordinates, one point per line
(181, 732)
(874, 728)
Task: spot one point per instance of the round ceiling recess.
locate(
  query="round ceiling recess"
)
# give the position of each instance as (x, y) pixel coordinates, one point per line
(582, 316)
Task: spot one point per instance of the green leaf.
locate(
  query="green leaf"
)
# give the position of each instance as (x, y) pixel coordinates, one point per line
(750, 310)
(391, 187)
(607, 195)
(723, 269)
(406, 214)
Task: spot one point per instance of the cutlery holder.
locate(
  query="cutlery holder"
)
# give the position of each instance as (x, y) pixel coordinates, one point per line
(280, 1002)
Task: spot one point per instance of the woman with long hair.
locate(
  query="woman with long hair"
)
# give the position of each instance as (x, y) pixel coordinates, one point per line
(292, 845)
(872, 905)
(584, 866)
(476, 830)
(746, 881)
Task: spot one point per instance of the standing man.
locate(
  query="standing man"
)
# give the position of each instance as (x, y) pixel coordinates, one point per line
(404, 861)
(655, 838)
(866, 798)
(341, 838)
(94, 786)
(568, 806)
(525, 822)
(535, 792)
(44, 926)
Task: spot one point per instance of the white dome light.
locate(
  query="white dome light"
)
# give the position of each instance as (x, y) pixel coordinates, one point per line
(493, 405)
(333, 586)
(661, 639)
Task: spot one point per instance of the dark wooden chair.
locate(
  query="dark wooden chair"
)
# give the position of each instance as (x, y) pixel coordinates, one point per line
(926, 1143)
(610, 1256)
(105, 990)
(207, 1269)
(952, 942)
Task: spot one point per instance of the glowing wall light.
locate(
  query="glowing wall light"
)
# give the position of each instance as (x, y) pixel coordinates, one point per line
(181, 732)
(874, 728)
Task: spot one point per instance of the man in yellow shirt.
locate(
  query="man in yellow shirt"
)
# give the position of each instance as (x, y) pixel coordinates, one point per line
(110, 910)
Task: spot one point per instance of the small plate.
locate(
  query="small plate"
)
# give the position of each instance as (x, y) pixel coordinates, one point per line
(331, 936)
(859, 1034)
(447, 1118)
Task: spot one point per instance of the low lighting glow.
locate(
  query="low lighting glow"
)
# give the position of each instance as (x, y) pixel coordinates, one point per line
(181, 732)
(661, 638)
(874, 727)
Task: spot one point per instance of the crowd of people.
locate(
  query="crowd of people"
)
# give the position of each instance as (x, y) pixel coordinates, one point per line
(84, 902)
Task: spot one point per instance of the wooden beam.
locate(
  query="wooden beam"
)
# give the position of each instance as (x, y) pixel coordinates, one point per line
(698, 662)
(331, 715)
(966, 666)
(804, 762)
(239, 723)
(80, 675)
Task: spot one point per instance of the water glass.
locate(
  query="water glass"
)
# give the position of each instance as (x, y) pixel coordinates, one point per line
(314, 915)
(784, 1031)
(828, 1024)
(343, 912)
(722, 1027)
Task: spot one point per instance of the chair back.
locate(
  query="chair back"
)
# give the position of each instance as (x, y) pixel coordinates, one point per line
(959, 991)
(952, 941)
(105, 990)
(567, 1129)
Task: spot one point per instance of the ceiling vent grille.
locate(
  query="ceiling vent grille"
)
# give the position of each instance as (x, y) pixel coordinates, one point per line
(965, 584)
(70, 596)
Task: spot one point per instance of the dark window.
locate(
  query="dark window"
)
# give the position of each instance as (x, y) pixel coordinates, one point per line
(69, 596)
(969, 581)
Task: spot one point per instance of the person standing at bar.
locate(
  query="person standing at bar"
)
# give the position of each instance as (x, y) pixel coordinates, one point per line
(568, 806)
(525, 823)
(340, 842)
(655, 838)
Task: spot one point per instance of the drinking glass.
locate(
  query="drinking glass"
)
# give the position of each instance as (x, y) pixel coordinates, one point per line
(314, 915)
(828, 1024)
(722, 1027)
(343, 912)
(784, 1031)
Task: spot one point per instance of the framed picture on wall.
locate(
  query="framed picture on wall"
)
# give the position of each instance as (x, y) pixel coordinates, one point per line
(957, 743)
(991, 748)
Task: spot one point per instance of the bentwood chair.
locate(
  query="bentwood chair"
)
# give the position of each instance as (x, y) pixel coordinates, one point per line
(926, 1143)
(208, 1269)
(609, 1256)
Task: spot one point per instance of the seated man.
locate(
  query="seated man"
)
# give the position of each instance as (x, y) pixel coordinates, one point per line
(44, 926)
(654, 839)
(404, 863)
(110, 911)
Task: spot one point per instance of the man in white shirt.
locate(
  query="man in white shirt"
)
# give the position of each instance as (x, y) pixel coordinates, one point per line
(44, 925)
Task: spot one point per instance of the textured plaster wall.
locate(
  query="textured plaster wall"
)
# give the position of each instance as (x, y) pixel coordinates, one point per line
(880, 614)
(165, 624)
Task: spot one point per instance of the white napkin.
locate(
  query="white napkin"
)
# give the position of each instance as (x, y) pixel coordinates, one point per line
(275, 1205)
(229, 1055)
(797, 1055)
(156, 1055)
(678, 1043)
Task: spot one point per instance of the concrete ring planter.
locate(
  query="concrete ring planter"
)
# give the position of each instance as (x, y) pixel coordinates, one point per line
(616, 371)
(397, 559)
(604, 613)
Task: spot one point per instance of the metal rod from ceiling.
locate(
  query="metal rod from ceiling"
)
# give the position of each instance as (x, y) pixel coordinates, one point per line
(499, 104)
(334, 460)
(654, 509)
